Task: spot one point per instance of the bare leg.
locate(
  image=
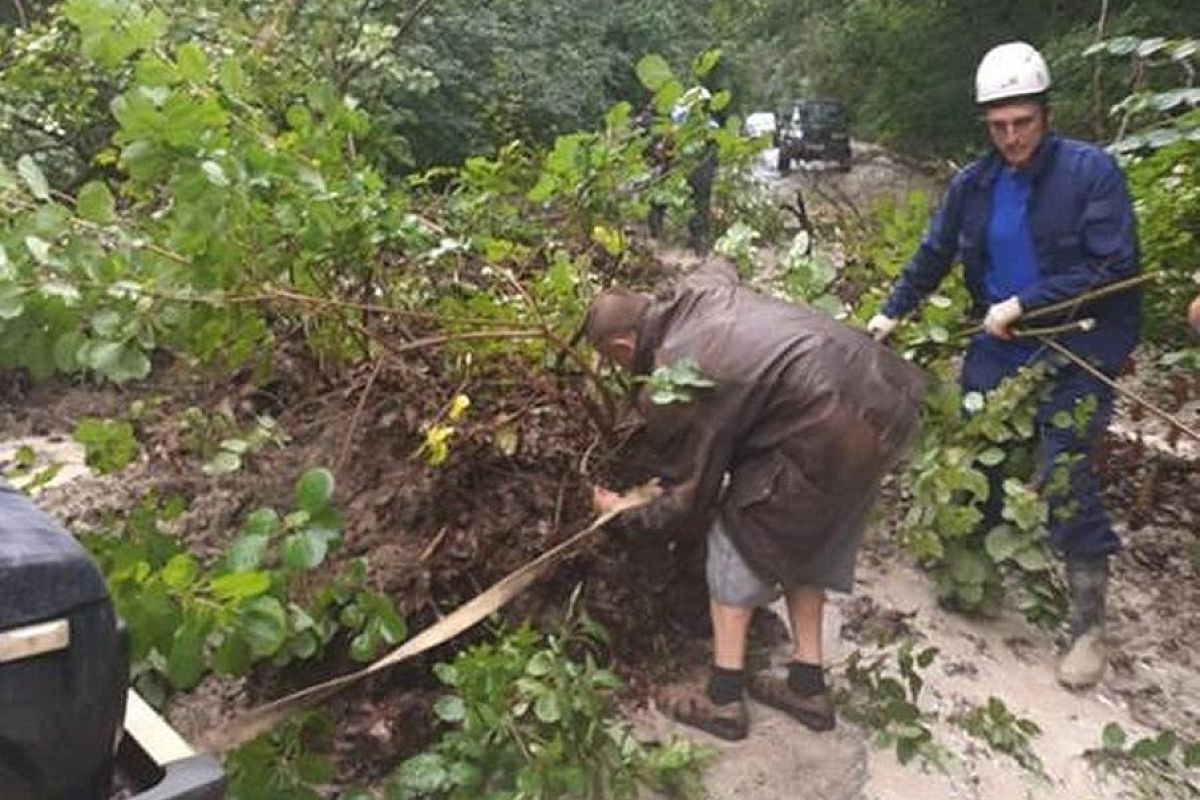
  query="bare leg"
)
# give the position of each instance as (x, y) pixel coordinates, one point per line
(731, 625)
(806, 606)
(802, 693)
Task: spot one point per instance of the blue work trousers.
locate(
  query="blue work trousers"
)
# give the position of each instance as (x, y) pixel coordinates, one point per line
(1079, 525)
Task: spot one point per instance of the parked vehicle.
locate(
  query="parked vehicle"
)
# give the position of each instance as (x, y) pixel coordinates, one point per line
(70, 728)
(760, 123)
(815, 130)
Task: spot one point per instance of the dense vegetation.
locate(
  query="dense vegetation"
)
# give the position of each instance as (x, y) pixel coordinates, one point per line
(210, 183)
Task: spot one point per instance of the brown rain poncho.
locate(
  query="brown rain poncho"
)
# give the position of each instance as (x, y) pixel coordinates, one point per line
(806, 417)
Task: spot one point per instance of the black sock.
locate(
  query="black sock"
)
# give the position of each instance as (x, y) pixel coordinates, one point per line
(805, 679)
(726, 685)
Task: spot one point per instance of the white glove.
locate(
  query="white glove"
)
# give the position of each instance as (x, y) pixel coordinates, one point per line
(1001, 316)
(881, 327)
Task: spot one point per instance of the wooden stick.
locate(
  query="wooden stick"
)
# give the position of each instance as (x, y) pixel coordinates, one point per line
(1173, 421)
(1055, 330)
(1087, 297)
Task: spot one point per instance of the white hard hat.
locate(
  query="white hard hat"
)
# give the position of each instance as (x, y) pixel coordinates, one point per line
(1011, 70)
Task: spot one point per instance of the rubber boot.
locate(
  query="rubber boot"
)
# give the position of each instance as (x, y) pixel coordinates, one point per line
(1083, 664)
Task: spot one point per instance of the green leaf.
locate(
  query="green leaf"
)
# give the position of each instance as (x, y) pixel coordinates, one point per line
(991, 457)
(1002, 542)
(305, 645)
(264, 624)
(967, 567)
(423, 775)
(1164, 743)
(39, 248)
(215, 174)
(1113, 736)
(540, 665)
(231, 76)
(223, 463)
(34, 178)
(450, 708)
(180, 572)
(705, 62)
(109, 446)
(240, 585)
(314, 490)
(12, 301)
(1032, 559)
(192, 63)
(233, 657)
(95, 202)
(654, 72)
(392, 627)
(262, 522)
(117, 361)
(1191, 755)
(239, 446)
(306, 549)
(247, 552)
(547, 708)
(185, 664)
(364, 646)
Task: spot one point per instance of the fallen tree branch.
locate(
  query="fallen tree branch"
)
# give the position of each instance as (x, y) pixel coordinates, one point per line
(264, 718)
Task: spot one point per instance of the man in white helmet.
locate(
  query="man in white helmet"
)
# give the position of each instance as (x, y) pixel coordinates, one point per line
(1039, 220)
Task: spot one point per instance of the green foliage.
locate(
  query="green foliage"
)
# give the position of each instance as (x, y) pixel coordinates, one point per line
(676, 382)
(811, 278)
(187, 618)
(738, 244)
(1163, 766)
(1004, 732)
(886, 701)
(533, 717)
(1160, 143)
(26, 472)
(963, 437)
(286, 764)
(109, 445)
(231, 452)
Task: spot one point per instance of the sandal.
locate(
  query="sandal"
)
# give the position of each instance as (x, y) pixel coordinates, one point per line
(692, 706)
(814, 711)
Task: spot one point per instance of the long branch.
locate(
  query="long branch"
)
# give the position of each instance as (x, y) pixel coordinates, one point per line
(1100, 293)
(1097, 83)
(1170, 419)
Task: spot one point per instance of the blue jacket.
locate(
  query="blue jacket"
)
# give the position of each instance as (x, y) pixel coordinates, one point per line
(1084, 236)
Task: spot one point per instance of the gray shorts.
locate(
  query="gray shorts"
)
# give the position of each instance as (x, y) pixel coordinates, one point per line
(732, 582)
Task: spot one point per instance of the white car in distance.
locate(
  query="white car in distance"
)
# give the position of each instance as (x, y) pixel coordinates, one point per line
(760, 123)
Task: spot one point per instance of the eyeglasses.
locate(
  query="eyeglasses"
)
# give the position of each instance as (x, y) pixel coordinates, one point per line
(1018, 125)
